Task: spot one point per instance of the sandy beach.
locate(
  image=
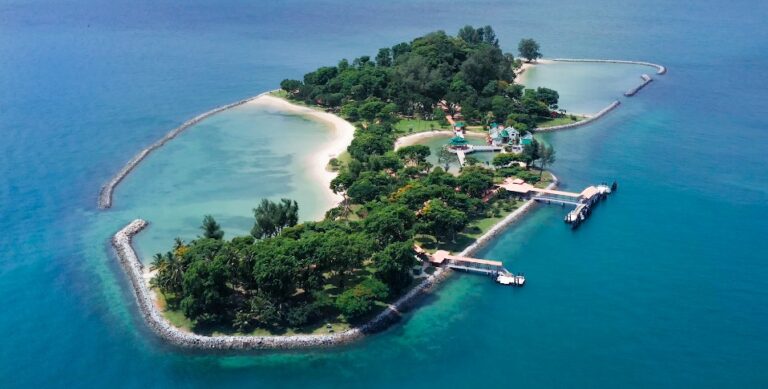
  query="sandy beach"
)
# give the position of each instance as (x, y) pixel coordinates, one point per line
(520, 79)
(342, 134)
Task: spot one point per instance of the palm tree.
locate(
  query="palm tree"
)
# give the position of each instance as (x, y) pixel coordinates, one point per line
(174, 274)
(211, 229)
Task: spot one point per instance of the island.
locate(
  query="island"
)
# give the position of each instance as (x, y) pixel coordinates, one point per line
(373, 253)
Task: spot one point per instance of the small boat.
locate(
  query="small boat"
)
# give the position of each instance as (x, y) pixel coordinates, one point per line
(511, 279)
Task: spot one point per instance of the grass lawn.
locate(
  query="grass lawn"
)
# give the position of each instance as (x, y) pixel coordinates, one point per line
(417, 125)
(546, 179)
(559, 121)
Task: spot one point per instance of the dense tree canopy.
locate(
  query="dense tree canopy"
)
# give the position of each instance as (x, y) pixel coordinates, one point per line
(289, 275)
(410, 78)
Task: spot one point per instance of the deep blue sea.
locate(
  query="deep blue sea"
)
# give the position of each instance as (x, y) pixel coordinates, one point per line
(665, 285)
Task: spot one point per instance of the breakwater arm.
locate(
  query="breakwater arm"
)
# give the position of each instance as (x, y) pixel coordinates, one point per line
(646, 80)
(584, 122)
(660, 69)
(107, 191)
(122, 242)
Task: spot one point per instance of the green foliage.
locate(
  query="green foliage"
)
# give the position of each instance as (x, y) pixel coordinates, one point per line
(531, 152)
(390, 224)
(360, 300)
(546, 157)
(341, 251)
(445, 158)
(409, 79)
(288, 274)
(442, 221)
(414, 154)
(206, 294)
(211, 229)
(272, 217)
(529, 49)
(475, 181)
(504, 159)
(291, 86)
(394, 263)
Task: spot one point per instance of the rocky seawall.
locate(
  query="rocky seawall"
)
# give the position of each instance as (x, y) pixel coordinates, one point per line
(134, 269)
(646, 80)
(107, 191)
(660, 69)
(584, 122)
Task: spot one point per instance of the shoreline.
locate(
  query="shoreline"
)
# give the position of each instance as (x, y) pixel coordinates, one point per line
(342, 133)
(134, 268)
(122, 242)
(106, 193)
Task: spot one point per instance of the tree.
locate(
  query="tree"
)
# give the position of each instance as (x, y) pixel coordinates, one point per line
(446, 158)
(363, 190)
(442, 221)
(272, 217)
(359, 300)
(414, 154)
(275, 268)
(340, 184)
(531, 152)
(389, 224)
(504, 159)
(206, 294)
(546, 158)
(394, 263)
(291, 86)
(471, 161)
(384, 57)
(341, 252)
(529, 49)
(548, 96)
(475, 181)
(211, 229)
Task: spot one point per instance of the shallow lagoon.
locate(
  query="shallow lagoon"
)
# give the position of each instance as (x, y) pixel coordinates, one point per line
(663, 287)
(585, 88)
(224, 166)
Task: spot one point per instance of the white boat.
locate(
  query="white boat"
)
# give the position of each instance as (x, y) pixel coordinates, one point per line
(603, 189)
(510, 279)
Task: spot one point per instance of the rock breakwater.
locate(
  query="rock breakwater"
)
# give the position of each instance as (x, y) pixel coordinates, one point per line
(107, 191)
(584, 122)
(660, 69)
(122, 242)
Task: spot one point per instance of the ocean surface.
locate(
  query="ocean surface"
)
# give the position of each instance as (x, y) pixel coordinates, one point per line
(664, 286)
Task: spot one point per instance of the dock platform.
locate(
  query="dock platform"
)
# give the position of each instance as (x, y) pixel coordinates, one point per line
(474, 265)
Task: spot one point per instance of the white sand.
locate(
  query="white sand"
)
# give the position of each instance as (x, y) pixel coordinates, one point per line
(520, 79)
(342, 133)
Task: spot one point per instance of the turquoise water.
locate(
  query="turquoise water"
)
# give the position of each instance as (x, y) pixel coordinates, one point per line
(436, 143)
(663, 286)
(585, 88)
(223, 166)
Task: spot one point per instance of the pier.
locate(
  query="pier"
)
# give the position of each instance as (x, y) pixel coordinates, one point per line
(442, 258)
(583, 201)
(461, 153)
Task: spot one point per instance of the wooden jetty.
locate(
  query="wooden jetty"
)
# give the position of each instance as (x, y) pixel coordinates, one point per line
(473, 265)
(583, 201)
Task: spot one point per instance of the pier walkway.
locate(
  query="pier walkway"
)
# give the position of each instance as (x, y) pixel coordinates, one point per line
(583, 201)
(520, 187)
(444, 258)
(483, 266)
